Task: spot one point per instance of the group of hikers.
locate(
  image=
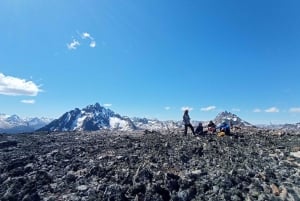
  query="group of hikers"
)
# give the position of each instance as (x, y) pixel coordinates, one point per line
(224, 128)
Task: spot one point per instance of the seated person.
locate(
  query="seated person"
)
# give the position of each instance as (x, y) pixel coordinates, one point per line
(199, 129)
(224, 127)
(211, 127)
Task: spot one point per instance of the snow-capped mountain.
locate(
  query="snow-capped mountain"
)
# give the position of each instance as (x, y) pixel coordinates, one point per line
(16, 124)
(95, 117)
(231, 119)
(90, 118)
(37, 123)
(154, 124)
(285, 127)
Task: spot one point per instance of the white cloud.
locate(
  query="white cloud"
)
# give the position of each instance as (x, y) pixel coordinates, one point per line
(257, 110)
(73, 45)
(31, 101)
(86, 35)
(167, 108)
(209, 108)
(186, 108)
(272, 110)
(107, 105)
(93, 44)
(13, 86)
(294, 110)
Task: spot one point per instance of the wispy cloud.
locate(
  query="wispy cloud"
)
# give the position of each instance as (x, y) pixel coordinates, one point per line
(80, 41)
(294, 110)
(13, 86)
(257, 110)
(209, 108)
(272, 110)
(186, 108)
(86, 35)
(107, 105)
(167, 108)
(73, 45)
(31, 101)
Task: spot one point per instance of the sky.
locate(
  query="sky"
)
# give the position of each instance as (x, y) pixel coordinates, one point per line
(152, 58)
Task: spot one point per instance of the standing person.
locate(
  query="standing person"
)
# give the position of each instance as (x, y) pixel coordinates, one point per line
(187, 123)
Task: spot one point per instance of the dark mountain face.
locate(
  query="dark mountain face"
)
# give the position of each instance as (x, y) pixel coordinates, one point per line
(90, 118)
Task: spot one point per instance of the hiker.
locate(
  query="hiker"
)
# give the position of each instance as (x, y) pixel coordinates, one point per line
(187, 123)
(199, 129)
(211, 127)
(224, 127)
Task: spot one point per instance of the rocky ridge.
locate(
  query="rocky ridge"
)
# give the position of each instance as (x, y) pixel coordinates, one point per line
(104, 165)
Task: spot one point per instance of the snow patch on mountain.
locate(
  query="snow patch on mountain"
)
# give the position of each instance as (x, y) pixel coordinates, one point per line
(78, 122)
(119, 124)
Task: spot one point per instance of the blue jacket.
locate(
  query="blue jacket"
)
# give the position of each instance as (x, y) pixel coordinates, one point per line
(224, 126)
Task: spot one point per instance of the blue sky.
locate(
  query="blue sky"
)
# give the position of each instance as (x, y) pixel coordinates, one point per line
(152, 58)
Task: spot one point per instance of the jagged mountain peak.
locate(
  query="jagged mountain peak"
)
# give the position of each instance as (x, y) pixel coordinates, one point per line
(95, 107)
(231, 118)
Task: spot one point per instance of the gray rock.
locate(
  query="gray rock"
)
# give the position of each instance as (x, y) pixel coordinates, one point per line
(6, 144)
(117, 166)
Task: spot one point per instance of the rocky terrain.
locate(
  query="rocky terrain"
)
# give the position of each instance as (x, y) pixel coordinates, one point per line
(114, 166)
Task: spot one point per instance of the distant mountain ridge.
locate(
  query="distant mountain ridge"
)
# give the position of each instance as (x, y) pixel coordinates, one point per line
(155, 124)
(16, 124)
(95, 117)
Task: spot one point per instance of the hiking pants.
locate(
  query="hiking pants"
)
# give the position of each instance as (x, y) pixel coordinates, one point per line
(186, 127)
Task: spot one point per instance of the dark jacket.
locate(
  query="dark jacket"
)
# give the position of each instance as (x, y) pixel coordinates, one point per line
(211, 124)
(199, 129)
(186, 119)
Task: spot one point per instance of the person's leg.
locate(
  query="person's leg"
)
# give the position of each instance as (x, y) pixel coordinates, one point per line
(185, 129)
(192, 128)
